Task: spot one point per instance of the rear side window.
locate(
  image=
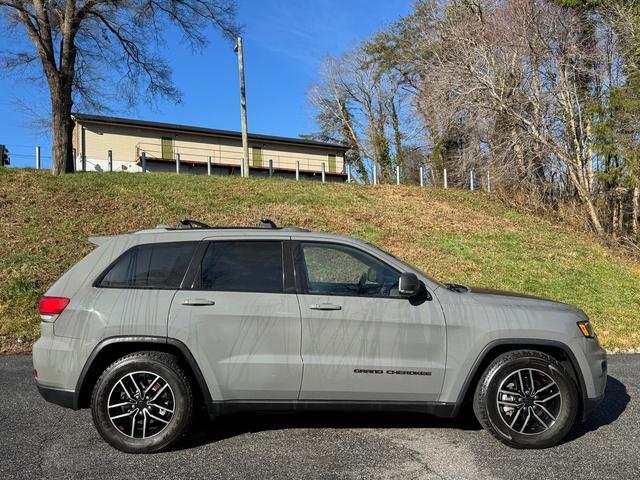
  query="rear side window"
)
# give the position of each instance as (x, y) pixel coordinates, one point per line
(155, 265)
(243, 266)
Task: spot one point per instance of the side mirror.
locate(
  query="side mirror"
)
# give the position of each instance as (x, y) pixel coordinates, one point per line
(409, 285)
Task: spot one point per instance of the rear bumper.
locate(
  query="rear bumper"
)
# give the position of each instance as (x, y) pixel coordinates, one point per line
(58, 362)
(64, 398)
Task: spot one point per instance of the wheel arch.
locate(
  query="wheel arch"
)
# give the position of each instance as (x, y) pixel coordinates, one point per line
(556, 349)
(110, 349)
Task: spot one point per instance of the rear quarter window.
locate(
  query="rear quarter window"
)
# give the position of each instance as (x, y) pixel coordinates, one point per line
(155, 265)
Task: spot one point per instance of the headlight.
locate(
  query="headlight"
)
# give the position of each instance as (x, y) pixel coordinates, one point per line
(586, 329)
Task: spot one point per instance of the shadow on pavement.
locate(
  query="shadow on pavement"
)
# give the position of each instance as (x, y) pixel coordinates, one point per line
(232, 425)
(614, 403)
(228, 426)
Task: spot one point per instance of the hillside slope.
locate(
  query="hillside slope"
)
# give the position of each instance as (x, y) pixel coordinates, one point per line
(461, 236)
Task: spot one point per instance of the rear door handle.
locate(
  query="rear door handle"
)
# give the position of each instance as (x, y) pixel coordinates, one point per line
(197, 302)
(325, 306)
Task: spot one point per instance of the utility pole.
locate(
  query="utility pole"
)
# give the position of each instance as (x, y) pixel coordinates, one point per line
(243, 109)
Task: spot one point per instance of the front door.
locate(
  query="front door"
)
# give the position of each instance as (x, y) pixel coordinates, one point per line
(361, 340)
(240, 323)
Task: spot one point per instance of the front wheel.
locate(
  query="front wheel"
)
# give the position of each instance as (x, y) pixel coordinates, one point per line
(526, 399)
(142, 402)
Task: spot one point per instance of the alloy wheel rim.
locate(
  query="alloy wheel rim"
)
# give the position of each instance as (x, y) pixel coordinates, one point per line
(141, 404)
(529, 401)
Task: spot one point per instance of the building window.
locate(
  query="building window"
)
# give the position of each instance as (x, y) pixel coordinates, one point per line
(332, 163)
(167, 148)
(257, 156)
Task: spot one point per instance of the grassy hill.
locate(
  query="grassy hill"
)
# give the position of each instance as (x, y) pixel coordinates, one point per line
(461, 236)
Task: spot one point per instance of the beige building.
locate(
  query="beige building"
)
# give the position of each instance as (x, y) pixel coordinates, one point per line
(162, 144)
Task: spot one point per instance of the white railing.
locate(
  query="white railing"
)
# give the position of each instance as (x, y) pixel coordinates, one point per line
(227, 157)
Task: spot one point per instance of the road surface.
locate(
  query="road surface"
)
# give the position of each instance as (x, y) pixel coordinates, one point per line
(39, 440)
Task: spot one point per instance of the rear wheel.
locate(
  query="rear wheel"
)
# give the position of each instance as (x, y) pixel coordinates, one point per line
(526, 399)
(142, 403)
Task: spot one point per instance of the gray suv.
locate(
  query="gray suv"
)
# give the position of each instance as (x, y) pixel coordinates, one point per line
(154, 324)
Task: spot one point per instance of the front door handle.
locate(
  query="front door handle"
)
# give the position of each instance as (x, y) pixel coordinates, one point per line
(325, 306)
(197, 302)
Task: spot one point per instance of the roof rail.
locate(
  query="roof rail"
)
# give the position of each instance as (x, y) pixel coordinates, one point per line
(266, 223)
(187, 224)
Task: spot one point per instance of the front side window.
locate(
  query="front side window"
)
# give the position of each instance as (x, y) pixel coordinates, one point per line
(155, 265)
(333, 269)
(243, 266)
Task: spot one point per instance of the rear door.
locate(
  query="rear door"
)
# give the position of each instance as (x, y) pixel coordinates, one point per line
(240, 318)
(361, 341)
(133, 295)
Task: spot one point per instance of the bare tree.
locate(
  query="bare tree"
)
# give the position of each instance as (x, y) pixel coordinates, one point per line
(544, 94)
(359, 102)
(93, 50)
(512, 72)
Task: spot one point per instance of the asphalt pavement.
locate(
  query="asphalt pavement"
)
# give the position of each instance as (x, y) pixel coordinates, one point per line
(39, 440)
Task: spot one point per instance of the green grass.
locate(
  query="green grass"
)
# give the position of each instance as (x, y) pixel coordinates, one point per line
(461, 236)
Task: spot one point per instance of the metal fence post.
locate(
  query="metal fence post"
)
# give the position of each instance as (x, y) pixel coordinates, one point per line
(271, 167)
(375, 175)
(323, 174)
(488, 182)
(422, 176)
(84, 149)
(348, 173)
(471, 180)
(144, 162)
(75, 159)
(209, 166)
(110, 160)
(445, 179)
(38, 165)
(297, 170)
(177, 163)
(398, 174)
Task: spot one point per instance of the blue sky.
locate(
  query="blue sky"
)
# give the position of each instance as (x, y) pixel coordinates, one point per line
(284, 41)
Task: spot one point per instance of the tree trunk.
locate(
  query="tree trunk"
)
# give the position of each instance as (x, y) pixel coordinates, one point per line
(615, 212)
(593, 216)
(635, 212)
(620, 216)
(62, 160)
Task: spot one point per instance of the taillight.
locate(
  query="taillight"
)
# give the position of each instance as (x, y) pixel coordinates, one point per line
(52, 305)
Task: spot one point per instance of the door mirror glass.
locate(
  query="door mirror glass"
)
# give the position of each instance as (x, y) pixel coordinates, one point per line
(374, 275)
(409, 284)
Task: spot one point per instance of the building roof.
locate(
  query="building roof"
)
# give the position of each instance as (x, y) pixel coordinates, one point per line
(83, 117)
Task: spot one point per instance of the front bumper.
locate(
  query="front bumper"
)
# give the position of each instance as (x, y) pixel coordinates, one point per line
(596, 376)
(590, 404)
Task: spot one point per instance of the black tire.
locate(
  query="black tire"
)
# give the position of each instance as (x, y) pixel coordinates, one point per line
(495, 417)
(177, 398)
